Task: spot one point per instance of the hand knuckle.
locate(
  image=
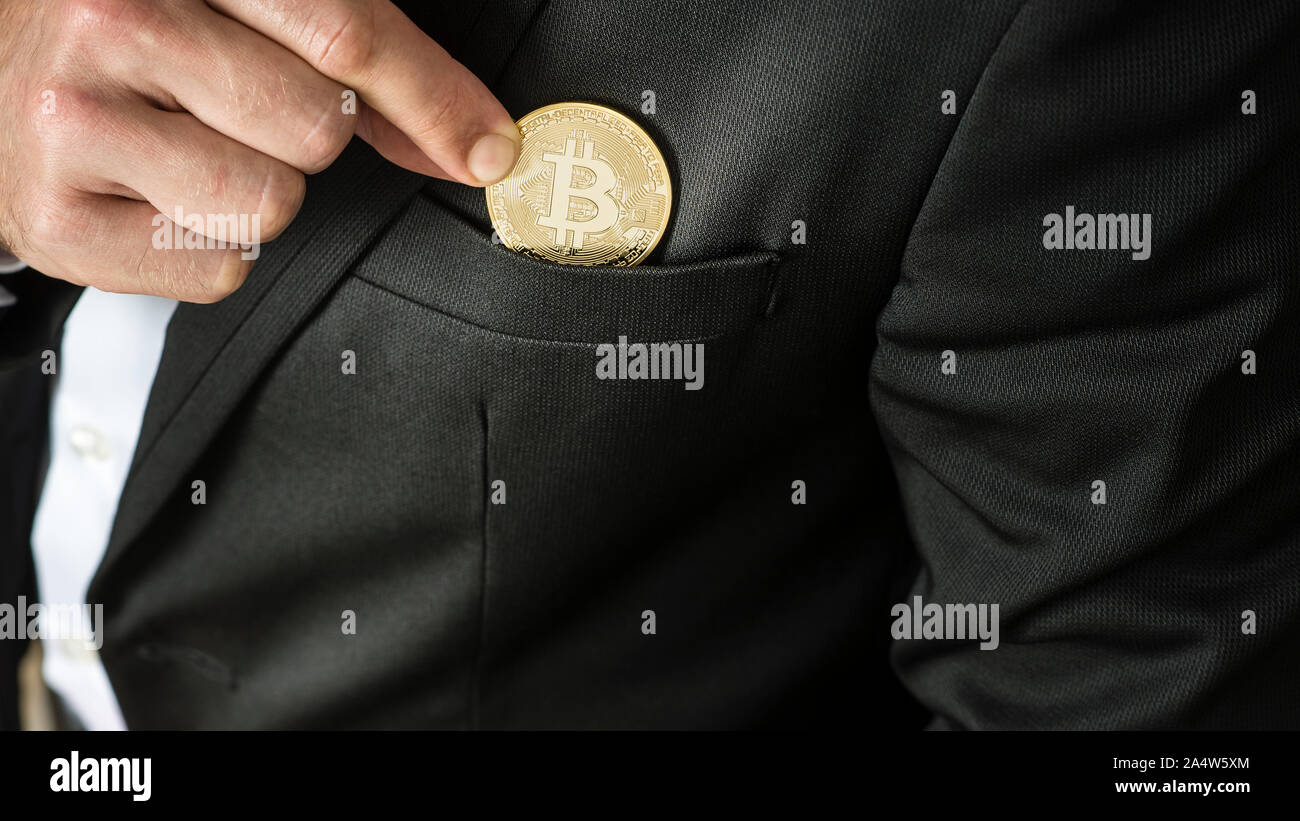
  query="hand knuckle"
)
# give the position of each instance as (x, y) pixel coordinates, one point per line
(281, 196)
(326, 139)
(344, 42)
(72, 120)
(99, 19)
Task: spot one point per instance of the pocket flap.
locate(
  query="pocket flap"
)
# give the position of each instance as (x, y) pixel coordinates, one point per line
(434, 257)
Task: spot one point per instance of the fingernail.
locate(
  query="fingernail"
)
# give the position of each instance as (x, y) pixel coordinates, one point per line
(234, 270)
(491, 158)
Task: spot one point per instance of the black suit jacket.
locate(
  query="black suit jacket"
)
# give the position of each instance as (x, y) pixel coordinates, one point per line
(371, 492)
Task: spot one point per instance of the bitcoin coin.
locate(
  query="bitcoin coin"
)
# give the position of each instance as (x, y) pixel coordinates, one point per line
(590, 188)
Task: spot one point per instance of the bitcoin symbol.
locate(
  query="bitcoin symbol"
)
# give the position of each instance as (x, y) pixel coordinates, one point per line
(590, 188)
(563, 191)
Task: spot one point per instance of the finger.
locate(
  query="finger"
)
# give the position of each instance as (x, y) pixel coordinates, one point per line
(395, 146)
(112, 244)
(245, 86)
(219, 187)
(370, 46)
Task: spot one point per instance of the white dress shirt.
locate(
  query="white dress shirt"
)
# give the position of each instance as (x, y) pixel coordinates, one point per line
(111, 347)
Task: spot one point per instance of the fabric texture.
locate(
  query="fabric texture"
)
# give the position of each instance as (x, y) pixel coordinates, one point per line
(371, 492)
(1091, 365)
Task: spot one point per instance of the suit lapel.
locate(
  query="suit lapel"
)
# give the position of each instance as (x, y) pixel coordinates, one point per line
(214, 353)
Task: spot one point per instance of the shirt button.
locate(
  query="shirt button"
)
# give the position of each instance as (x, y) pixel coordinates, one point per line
(89, 443)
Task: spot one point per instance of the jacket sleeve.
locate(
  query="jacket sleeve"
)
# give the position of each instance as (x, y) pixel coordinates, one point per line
(1105, 442)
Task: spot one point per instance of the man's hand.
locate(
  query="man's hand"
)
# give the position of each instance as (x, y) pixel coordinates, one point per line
(113, 112)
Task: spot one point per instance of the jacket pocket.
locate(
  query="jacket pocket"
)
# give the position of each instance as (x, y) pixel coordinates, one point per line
(434, 257)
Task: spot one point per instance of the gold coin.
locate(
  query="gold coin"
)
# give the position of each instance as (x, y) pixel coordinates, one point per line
(590, 188)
